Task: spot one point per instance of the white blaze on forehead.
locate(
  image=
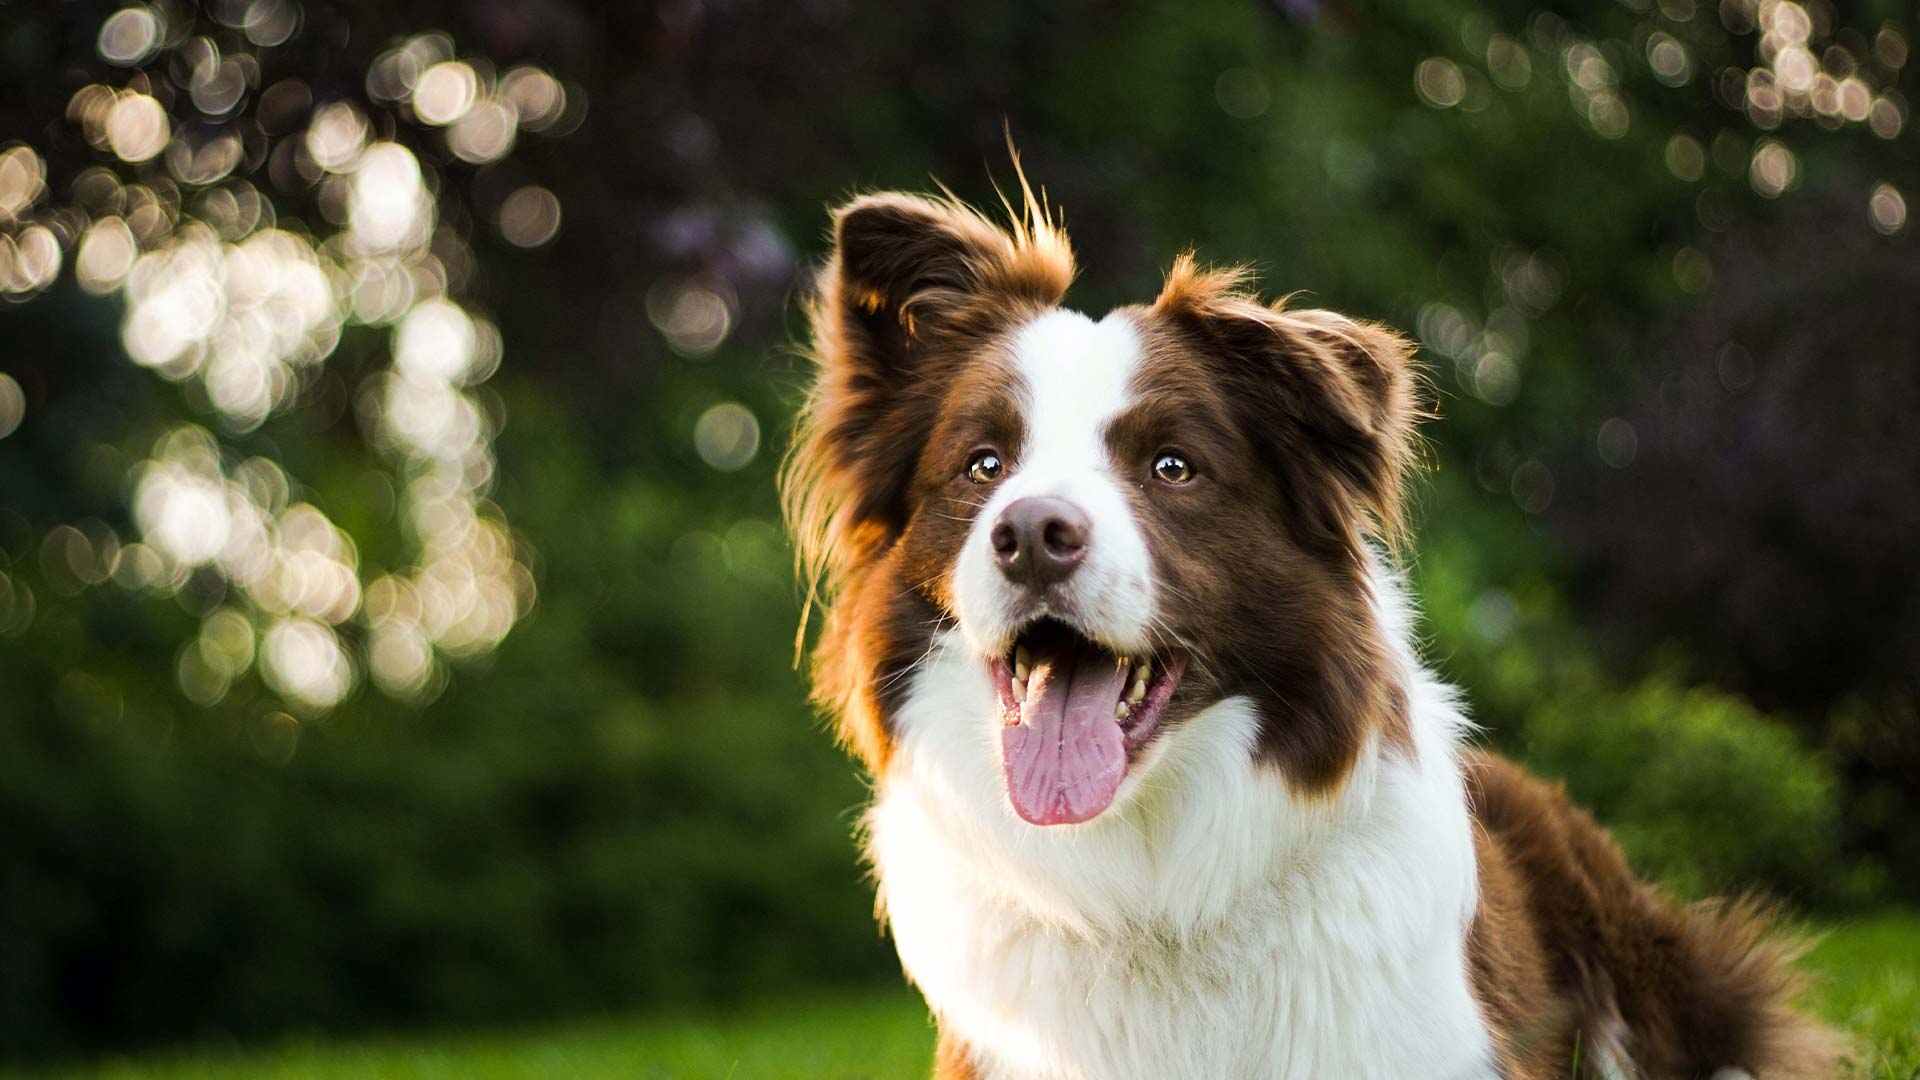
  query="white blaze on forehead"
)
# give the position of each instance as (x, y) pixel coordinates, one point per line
(1077, 373)
(1074, 377)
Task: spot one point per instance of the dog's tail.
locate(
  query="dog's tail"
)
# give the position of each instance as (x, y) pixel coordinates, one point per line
(1658, 990)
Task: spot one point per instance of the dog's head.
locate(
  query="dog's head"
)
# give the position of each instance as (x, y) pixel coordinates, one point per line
(1126, 520)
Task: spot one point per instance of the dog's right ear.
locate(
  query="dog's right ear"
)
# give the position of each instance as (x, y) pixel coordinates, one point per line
(1330, 402)
(913, 286)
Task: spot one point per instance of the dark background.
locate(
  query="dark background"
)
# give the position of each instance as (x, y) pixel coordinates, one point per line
(1661, 271)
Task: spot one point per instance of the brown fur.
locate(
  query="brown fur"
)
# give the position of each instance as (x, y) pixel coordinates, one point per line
(1569, 945)
(952, 1060)
(1263, 564)
(1301, 426)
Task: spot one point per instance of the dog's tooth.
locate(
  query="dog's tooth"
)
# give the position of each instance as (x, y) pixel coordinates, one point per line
(1020, 688)
(1022, 663)
(1138, 691)
(1143, 670)
(1120, 711)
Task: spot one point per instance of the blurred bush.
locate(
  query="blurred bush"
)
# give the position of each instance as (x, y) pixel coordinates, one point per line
(626, 806)
(1657, 265)
(1706, 793)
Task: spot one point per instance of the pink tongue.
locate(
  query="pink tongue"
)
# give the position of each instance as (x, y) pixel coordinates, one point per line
(1067, 756)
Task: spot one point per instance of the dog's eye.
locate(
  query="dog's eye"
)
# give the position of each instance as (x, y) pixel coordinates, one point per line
(1172, 469)
(984, 468)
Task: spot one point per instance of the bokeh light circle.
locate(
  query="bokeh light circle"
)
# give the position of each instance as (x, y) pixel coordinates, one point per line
(1887, 208)
(445, 92)
(106, 256)
(694, 314)
(137, 127)
(302, 660)
(537, 97)
(485, 133)
(1242, 93)
(23, 180)
(129, 36)
(13, 405)
(530, 217)
(35, 259)
(727, 436)
(1774, 169)
(1617, 443)
(1439, 82)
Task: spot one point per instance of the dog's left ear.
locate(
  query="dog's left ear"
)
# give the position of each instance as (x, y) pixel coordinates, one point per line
(1330, 402)
(914, 287)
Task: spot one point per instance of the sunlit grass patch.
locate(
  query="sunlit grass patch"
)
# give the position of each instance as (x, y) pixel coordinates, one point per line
(1870, 985)
(875, 1036)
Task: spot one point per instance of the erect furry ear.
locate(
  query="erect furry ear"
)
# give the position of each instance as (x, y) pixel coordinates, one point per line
(1332, 402)
(914, 285)
(908, 271)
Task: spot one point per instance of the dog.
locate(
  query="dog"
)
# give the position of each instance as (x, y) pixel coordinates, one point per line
(1161, 787)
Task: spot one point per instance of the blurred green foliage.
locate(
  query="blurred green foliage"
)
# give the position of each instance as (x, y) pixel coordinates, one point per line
(1709, 794)
(1705, 792)
(628, 805)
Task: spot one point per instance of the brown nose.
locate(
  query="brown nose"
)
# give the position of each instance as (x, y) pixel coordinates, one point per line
(1039, 540)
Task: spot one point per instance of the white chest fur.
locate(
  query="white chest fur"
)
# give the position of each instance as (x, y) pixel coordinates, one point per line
(1208, 925)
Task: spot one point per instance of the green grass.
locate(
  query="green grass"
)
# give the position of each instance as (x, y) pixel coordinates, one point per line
(1870, 983)
(832, 1037)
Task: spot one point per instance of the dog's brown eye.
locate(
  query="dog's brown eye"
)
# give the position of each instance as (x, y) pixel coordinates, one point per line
(1172, 469)
(984, 468)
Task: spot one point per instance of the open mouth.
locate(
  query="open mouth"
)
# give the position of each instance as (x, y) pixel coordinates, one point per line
(1077, 714)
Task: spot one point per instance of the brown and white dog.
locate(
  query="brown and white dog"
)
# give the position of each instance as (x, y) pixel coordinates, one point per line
(1162, 789)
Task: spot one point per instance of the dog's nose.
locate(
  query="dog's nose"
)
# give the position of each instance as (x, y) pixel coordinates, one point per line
(1039, 540)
